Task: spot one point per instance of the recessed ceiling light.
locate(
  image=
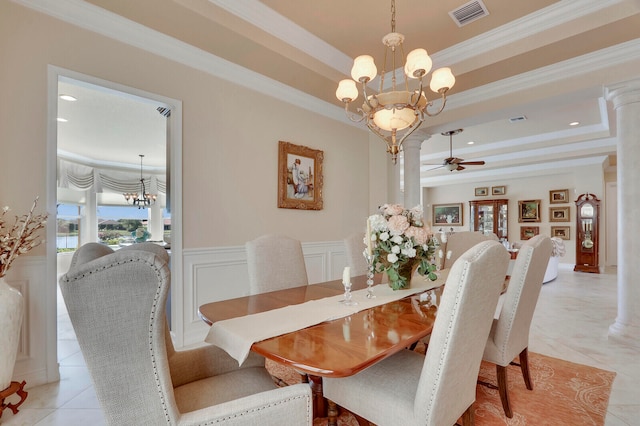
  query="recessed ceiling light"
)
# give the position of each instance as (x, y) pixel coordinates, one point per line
(62, 120)
(68, 98)
(470, 143)
(574, 123)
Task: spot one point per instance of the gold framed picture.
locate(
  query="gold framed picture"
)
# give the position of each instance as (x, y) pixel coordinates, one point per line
(498, 190)
(559, 214)
(482, 191)
(559, 196)
(447, 214)
(561, 232)
(529, 211)
(527, 232)
(299, 177)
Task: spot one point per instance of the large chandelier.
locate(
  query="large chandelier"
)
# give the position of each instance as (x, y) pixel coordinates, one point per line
(395, 114)
(140, 199)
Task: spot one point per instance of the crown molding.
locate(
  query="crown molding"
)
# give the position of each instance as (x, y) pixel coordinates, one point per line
(512, 172)
(570, 68)
(540, 21)
(98, 20)
(111, 25)
(268, 20)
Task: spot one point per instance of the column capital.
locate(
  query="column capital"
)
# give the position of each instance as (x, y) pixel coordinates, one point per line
(415, 139)
(623, 93)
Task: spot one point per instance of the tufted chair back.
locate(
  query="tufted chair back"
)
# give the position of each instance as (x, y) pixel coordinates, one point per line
(117, 302)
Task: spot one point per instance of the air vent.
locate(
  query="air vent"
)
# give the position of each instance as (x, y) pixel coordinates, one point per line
(517, 119)
(469, 12)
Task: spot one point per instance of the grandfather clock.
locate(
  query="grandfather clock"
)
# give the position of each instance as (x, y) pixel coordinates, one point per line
(587, 219)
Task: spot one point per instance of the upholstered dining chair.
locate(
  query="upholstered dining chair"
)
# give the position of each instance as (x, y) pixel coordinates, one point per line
(354, 249)
(509, 335)
(116, 302)
(459, 242)
(275, 262)
(409, 388)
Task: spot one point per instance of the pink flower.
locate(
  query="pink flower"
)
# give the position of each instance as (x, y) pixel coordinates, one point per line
(420, 235)
(392, 209)
(398, 224)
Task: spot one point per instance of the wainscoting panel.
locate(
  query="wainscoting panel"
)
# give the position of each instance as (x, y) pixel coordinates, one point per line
(28, 275)
(220, 273)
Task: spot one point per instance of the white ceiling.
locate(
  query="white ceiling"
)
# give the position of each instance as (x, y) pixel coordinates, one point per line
(110, 128)
(549, 61)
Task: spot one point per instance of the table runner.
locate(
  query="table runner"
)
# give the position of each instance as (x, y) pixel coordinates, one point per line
(236, 335)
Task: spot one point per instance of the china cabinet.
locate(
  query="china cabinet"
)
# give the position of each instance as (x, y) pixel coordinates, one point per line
(587, 218)
(490, 216)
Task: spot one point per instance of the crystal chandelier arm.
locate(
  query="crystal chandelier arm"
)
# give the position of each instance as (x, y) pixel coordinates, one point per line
(443, 93)
(418, 92)
(380, 135)
(366, 96)
(352, 116)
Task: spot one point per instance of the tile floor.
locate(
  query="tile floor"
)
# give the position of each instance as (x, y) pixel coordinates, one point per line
(571, 322)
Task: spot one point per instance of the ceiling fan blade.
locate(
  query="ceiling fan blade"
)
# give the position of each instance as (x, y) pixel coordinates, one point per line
(435, 168)
(472, 163)
(460, 167)
(454, 160)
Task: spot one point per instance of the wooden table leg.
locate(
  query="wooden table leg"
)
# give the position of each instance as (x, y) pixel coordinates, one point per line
(319, 403)
(17, 388)
(332, 413)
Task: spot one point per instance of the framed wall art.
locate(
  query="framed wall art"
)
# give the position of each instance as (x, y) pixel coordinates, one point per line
(559, 214)
(447, 214)
(559, 196)
(527, 232)
(482, 191)
(529, 211)
(498, 190)
(299, 177)
(561, 232)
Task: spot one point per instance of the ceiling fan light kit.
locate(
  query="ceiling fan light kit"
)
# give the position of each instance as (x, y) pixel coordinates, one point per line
(454, 163)
(394, 114)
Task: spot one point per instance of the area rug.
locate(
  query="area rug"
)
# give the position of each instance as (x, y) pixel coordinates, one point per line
(564, 393)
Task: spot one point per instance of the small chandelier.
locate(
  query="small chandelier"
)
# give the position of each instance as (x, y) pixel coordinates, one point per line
(389, 113)
(141, 199)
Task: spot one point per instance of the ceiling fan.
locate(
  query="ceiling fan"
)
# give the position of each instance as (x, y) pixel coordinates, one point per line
(454, 163)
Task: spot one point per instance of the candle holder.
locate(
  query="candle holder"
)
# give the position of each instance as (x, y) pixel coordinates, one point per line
(348, 297)
(370, 266)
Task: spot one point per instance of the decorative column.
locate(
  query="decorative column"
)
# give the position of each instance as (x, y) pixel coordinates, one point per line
(411, 147)
(156, 222)
(626, 102)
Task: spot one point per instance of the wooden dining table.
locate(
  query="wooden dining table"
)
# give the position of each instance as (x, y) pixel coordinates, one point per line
(340, 347)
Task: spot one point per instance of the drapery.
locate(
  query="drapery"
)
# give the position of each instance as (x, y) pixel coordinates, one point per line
(81, 177)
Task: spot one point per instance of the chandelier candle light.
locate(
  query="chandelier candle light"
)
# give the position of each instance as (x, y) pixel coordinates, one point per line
(395, 114)
(141, 199)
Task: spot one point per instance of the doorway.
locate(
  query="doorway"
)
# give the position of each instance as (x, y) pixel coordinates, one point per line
(96, 138)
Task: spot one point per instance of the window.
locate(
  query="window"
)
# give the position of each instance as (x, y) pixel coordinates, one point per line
(68, 232)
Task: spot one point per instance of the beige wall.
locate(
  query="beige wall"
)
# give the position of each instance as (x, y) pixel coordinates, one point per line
(578, 180)
(230, 136)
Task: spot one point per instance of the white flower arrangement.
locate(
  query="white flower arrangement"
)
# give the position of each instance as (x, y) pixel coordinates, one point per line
(397, 240)
(20, 238)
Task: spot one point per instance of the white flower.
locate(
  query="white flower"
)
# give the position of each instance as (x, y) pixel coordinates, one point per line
(395, 249)
(384, 236)
(377, 223)
(397, 239)
(409, 252)
(392, 258)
